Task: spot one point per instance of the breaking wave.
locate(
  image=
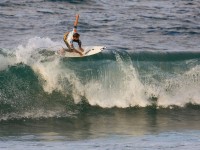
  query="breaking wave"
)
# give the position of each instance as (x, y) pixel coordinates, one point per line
(36, 83)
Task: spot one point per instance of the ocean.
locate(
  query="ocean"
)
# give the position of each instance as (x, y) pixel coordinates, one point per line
(142, 92)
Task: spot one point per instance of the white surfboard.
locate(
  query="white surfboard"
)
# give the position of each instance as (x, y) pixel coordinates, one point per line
(88, 50)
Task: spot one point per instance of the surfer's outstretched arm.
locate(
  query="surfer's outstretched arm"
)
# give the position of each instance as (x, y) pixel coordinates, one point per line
(76, 21)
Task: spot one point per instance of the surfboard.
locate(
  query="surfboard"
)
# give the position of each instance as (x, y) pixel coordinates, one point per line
(88, 51)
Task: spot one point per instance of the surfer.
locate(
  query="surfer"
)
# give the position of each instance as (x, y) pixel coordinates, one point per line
(73, 36)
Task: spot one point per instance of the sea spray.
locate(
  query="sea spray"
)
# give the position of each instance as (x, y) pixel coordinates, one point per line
(117, 85)
(30, 53)
(181, 89)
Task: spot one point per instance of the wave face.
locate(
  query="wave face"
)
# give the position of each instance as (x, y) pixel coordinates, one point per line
(36, 83)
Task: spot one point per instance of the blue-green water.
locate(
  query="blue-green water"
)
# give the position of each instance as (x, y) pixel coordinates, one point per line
(142, 92)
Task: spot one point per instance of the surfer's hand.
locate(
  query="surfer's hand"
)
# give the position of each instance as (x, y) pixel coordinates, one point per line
(77, 16)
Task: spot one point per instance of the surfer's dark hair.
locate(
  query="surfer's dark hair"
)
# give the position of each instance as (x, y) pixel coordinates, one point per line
(76, 35)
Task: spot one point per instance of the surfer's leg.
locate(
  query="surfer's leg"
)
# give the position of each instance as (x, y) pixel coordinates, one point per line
(65, 40)
(65, 36)
(68, 46)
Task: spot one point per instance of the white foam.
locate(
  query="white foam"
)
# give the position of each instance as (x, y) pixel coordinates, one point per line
(182, 89)
(120, 87)
(59, 78)
(5, 62)
(28, 54)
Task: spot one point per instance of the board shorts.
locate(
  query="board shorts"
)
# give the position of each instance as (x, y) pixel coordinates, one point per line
(65, 40)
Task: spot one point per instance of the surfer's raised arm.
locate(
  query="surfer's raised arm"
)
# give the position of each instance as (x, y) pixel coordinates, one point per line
(76, 21)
